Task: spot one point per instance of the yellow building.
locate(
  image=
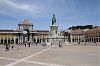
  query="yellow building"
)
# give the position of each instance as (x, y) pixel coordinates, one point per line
(24, 33)
(92, 35)
(7, 36)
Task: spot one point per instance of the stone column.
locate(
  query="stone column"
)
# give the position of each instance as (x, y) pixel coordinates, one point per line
(36, 39)
(14, 40)
(19, 39)
(7, 40)
(39, 40)
(22, 38)
(71, 38)
(78, 38)
(93, 39)
(33, 39)
(30, 38)
(0, 39)
(45, 40)
(98, 39)
(3, 40)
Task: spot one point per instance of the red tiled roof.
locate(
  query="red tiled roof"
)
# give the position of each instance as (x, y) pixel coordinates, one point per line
(77, 31)
(94, 29)
(42, 30)
(32, 30)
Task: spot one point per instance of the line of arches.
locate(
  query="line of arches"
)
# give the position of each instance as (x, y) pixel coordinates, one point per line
(9, 41)
(39, 40)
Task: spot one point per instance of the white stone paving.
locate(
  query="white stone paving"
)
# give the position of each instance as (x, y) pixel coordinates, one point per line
(51, 56)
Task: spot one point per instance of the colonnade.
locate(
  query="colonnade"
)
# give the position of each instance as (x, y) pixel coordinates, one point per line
(94, 39)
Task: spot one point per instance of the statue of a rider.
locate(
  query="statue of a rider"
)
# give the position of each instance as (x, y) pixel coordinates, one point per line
(53, 20)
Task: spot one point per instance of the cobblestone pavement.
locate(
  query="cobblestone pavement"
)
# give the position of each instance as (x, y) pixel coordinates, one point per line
(67, 55)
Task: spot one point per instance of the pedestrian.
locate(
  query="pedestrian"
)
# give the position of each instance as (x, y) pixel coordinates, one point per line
(18, 45)
(78, 42)
(36, 43)
(4, 44)
(51, 43)
(60, 45)
(6, 48)
(9, 45)
(25, 44)
(95, 43)
(45, 44)
(12, 46)
(28, 44)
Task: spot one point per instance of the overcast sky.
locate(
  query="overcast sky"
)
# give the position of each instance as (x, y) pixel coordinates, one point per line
(39, 12)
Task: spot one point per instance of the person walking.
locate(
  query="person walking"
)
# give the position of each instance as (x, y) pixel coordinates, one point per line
(60, 45)
(51, 43)
(36, 43)
(6, 47)
(25, 44)
(18, 45)
(12, 46)
(78, 42)
(29, 44)
(95, 43)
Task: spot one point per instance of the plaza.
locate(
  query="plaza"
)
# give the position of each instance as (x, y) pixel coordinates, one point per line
(67, 55)
(49, 33)
(46, 48)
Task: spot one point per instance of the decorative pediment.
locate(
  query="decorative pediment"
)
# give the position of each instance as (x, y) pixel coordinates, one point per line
(25, 25)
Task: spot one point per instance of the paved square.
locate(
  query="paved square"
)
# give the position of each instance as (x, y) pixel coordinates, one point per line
(51, 56)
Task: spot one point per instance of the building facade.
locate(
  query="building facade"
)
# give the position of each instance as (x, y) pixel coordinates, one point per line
(24, 33)
(86, 35)
(92, 35)
(76, 35)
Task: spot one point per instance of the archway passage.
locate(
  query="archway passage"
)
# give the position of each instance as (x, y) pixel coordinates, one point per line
(34, 40)
(1, 41)
(26, 35)
(12, 41)
(17, 41)
(37, 40)
(9, 41)
(5, 41)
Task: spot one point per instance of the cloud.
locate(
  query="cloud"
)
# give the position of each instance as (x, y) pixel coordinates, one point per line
(35, 8)
(21, 6)
(68, 12)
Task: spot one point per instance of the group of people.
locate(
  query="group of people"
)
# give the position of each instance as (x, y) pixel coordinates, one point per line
(29, 45)
(7, 46)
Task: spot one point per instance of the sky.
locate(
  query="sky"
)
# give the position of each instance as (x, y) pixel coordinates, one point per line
(68, 13)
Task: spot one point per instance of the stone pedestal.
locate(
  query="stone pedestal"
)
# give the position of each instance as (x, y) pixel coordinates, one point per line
(54, 36)
(53, 30)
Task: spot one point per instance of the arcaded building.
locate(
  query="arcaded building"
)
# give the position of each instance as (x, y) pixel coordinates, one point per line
(86, 35)
(92, 35)
(77, 35)
(23, 33)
